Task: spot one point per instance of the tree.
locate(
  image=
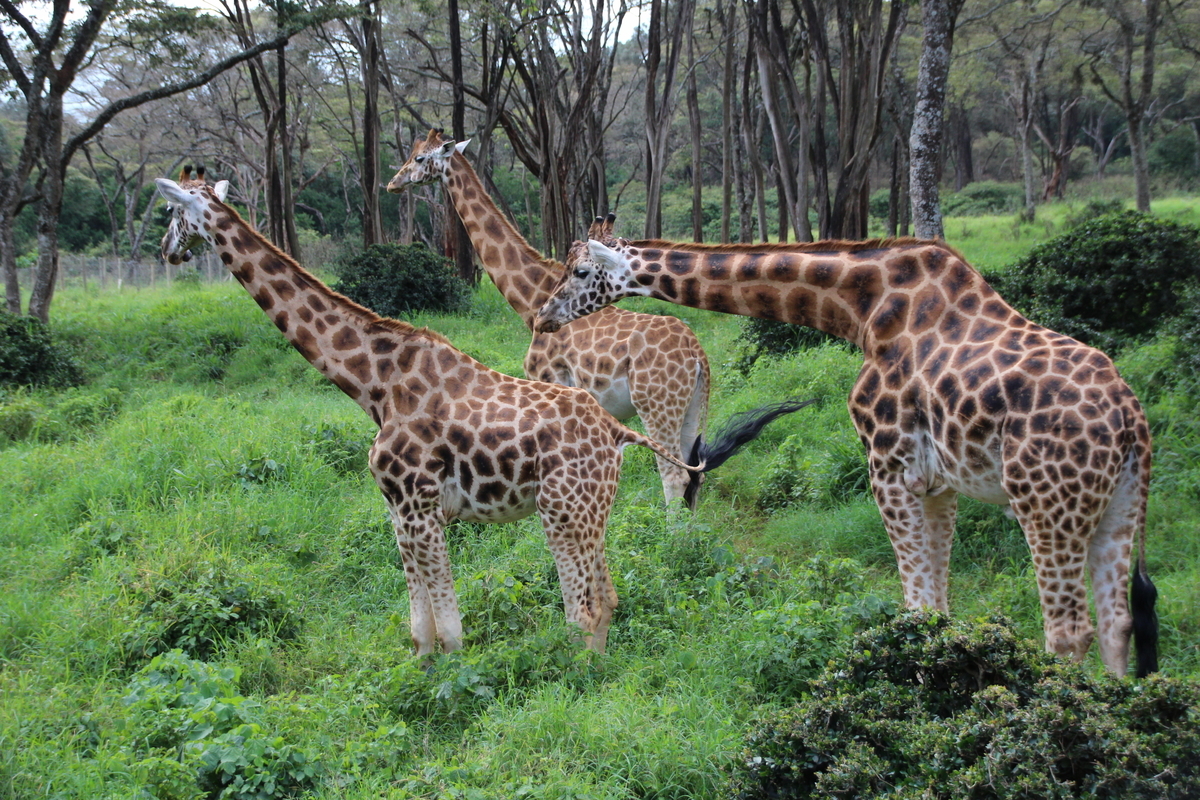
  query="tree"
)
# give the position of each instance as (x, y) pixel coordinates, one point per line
(1123, 65)
(30, 54)
(666, 30)
(925, 143)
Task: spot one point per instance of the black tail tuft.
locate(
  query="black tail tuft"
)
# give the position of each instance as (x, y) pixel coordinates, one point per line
(741, 429)
(1143, 595)
(692, 492)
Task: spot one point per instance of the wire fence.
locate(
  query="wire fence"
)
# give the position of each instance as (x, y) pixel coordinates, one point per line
(110, 272)
(105, 272)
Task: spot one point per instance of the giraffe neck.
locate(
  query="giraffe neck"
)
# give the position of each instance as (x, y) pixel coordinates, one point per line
(524, 277)
(856, 291)
(362, 353)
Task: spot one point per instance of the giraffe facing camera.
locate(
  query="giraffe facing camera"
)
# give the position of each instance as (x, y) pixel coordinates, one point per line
(456, 440)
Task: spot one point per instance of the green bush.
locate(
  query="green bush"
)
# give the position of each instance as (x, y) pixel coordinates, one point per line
(29, 356)
(339, 446)
(395, 279)
(768, 337)
(797, 474)
(19, 416)
(199, 611)
(1108, 281)
(984, 197)
(186, 731)
(924, 707)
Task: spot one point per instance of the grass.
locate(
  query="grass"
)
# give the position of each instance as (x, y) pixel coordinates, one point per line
(166, 516)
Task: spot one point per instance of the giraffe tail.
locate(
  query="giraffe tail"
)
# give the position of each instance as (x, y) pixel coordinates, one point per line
(739, 430)
(1143, 595)
(1142, 592)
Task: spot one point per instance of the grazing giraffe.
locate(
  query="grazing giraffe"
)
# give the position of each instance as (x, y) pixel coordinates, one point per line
(456, 440)
(958, 393)
(644, 364)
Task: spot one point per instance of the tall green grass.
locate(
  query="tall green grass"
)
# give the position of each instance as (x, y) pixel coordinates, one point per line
(220, 504)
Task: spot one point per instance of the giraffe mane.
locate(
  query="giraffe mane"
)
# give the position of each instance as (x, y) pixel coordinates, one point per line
(368, 316)
(826, 245)
(549, 263)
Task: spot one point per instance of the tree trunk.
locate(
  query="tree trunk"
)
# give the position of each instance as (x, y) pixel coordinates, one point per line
(925, 146)
(372, 216)
(693, 107)
(464, 254)
(8, 258)
(724, 14)
(287, 201)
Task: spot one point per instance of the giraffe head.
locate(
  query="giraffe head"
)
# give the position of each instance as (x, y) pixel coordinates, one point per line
(186, 207)
(428, 162)
(596, 276)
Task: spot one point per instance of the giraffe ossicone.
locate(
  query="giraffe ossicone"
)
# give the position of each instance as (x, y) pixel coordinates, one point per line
(649, 365)
(958, 394)
(456, 440)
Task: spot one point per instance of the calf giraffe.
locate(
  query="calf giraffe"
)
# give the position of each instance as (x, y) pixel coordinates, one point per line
(958, 393)
(644, 364)
(456, 439)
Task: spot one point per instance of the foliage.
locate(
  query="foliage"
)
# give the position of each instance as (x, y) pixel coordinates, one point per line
(1107, 281)
(340, 446)
(395, 279)
(983, 197)
(201, 610)
(925, 707)
(30, 356)
(186, 731)
(259, 470)
(797, 475)
(768, 337)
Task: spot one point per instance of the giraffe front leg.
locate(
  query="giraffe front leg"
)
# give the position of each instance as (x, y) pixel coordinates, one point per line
(922, 531)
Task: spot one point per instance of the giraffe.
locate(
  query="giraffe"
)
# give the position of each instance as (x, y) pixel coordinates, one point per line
(958, 393)
(644, 364)
(456, 440)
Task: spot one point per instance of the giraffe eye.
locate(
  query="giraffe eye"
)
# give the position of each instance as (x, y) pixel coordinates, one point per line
(581, 273)
(420, 159)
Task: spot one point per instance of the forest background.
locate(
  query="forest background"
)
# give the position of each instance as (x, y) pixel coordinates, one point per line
(717, 121)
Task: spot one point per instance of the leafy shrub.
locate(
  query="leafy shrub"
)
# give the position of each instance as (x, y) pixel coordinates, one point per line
(797, 475)
(1095, 208)
(88, 410)
(395, 279)
(29, 356)
(768, 337)
(793, 642)
(19, 416)
(340, 446)
(924, 707)
(199, 611)
(259, 470)
(186, 731)
(1108, 281)
(187, 278)
(984, 197)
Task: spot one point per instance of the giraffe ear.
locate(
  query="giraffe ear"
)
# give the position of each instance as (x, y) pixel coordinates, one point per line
(462, 145)
(446, 150)
(171, 191)
(221, 190)
(602, 254)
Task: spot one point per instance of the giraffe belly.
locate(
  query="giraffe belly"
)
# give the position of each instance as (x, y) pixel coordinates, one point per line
(978, 473)
(457, 504)
(614, 398)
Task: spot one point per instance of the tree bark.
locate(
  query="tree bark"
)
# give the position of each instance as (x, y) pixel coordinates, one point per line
(372, 216)
(464, 253)
(925, 146)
